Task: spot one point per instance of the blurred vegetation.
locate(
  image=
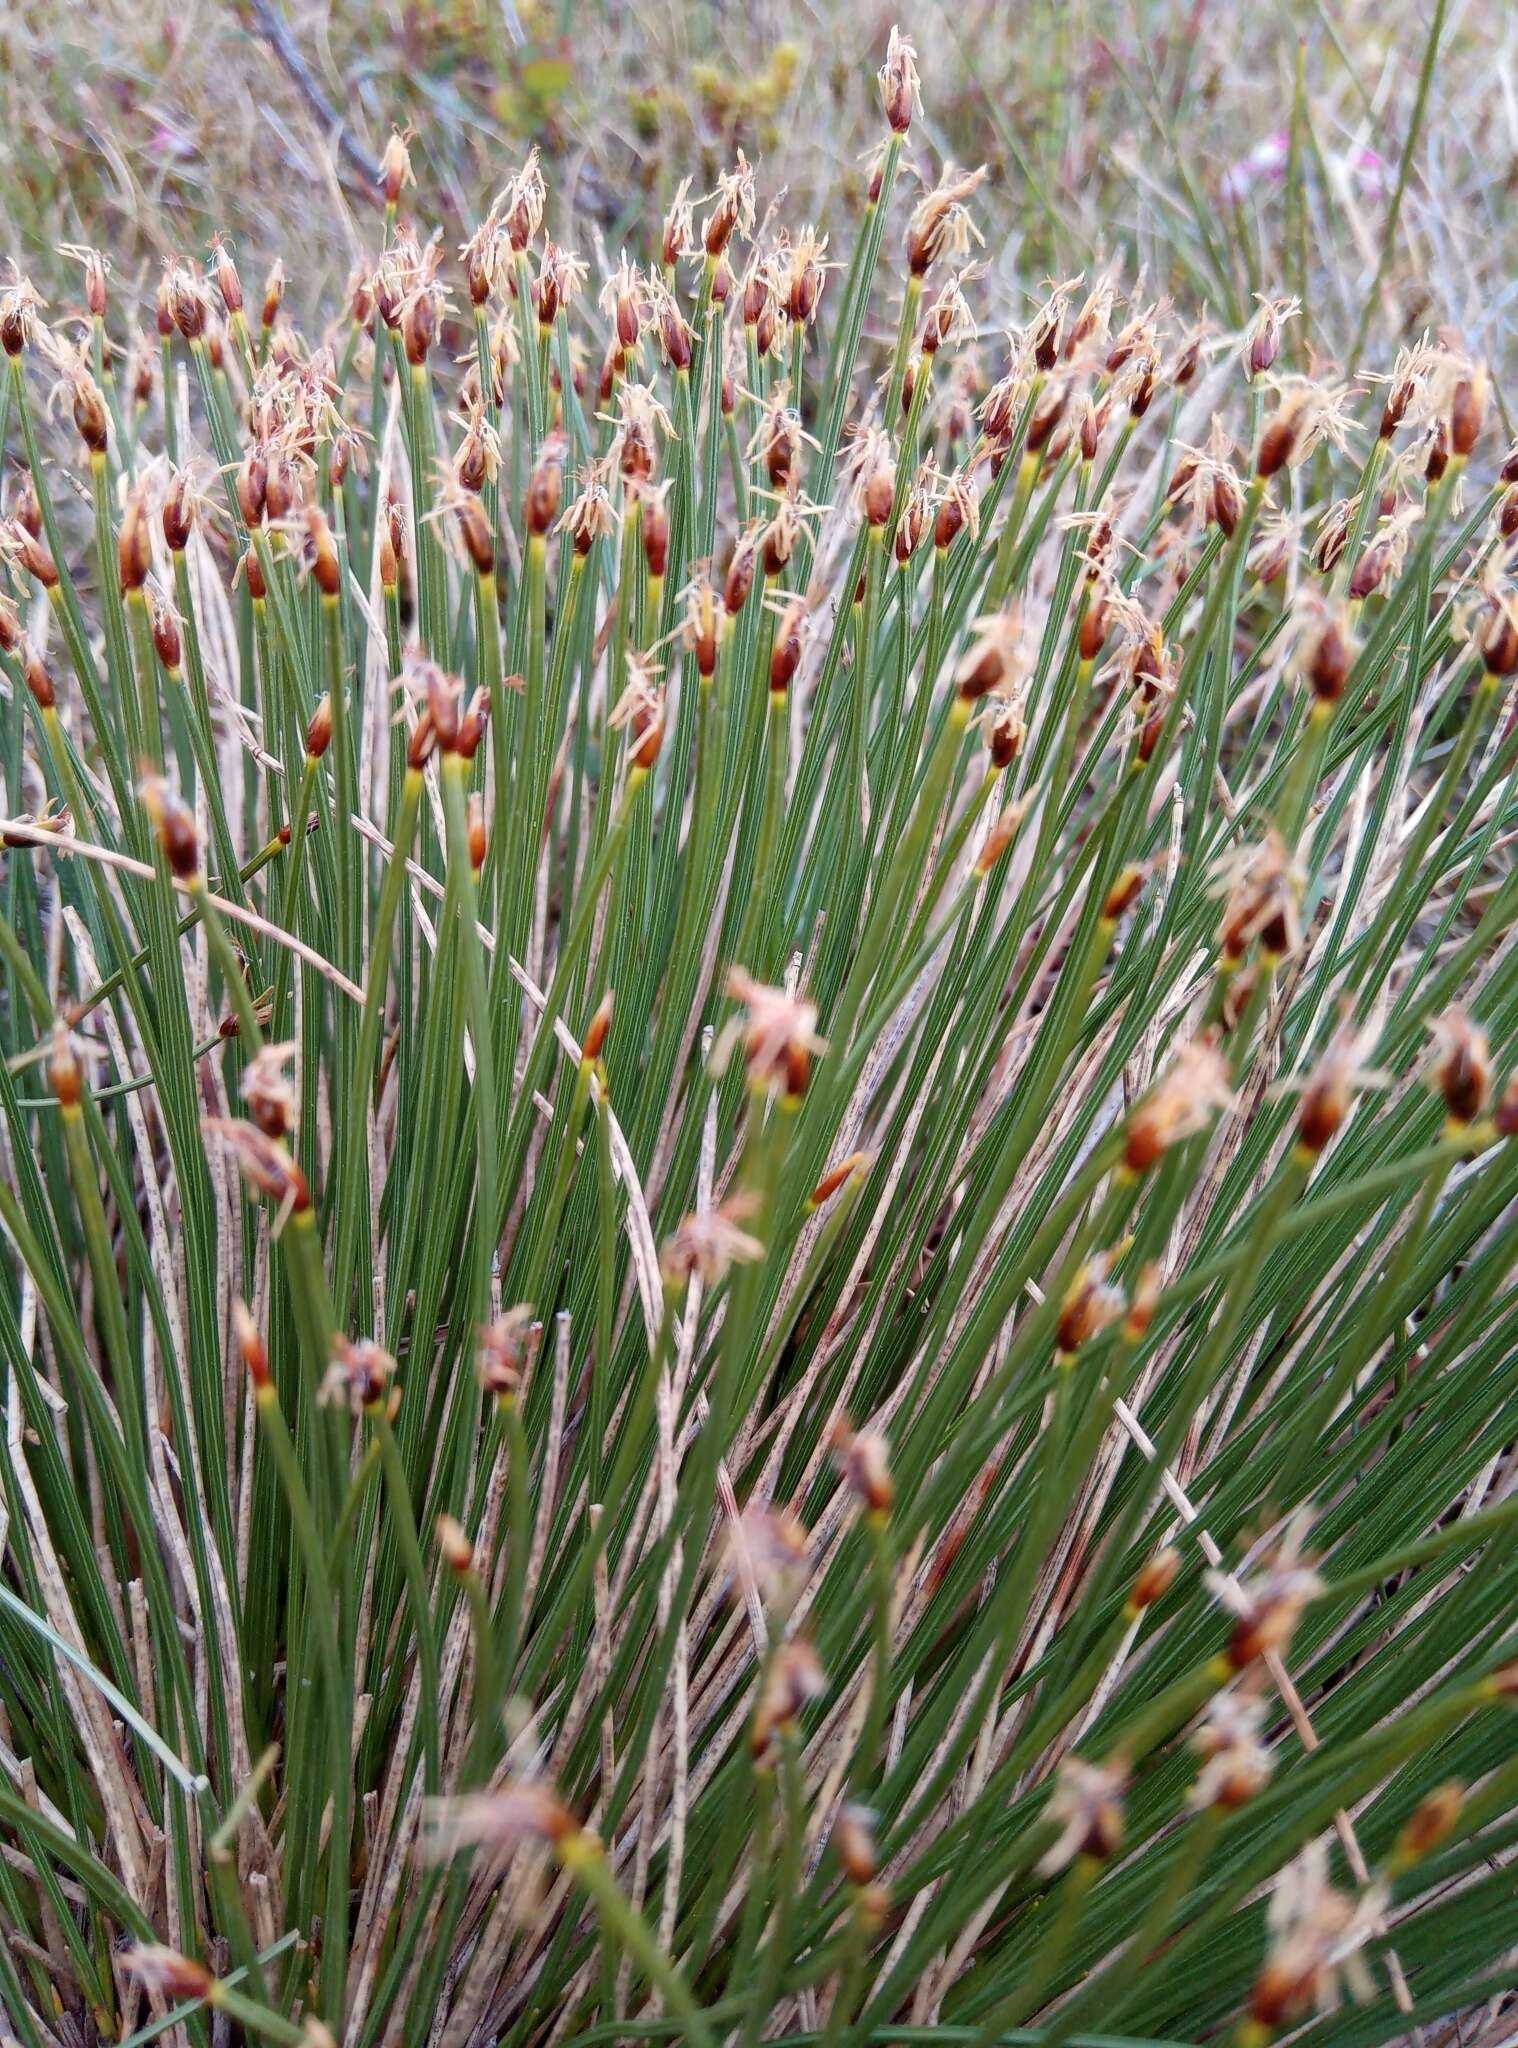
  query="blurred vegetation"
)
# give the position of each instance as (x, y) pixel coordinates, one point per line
(1210, 149)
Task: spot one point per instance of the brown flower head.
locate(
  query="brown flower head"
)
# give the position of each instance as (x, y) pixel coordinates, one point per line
(708, 1243)
(269, 1090)
(518, 1813)
(1267, 1602)
(795, 1677)
(1462, 1067)
(506, 1349)
(1181, 1103)
(1317, 1935)
(1087, 1802)
(1236, 1764)
(264, 1162)
(900, 96)
(358, 1377)
(777, 1032)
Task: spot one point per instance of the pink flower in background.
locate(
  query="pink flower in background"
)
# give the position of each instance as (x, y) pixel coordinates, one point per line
(1266, 164)
(1267, 160)
(167, 141)
(1370, 171)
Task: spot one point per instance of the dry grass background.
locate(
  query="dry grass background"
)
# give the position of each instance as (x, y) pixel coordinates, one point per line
(1217, 148)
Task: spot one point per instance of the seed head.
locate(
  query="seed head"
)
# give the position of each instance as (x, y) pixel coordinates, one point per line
(88, 404)
(321, 553)
(134, 544)
(545, 489)
(1268, 1603)
(1180, 1105)
(249, 570)
(1261, 886)
(623, 300)
(1385, 554)
(854, 1844)
(1467, 408)
(95, 268)
(785, 657)
(358, 1377)
(186, 299)
(1187, 358)
(1406, 385)
(395, 172)
(1262, 338)
(1044, 334)
(474, 830)
(871, 473)
(166, 633)
(1492, 623)
(900, 98)
(863, 1458)
(1325, 651)
(523, 202)
(1317, 1934)
(269, 1091)
(1431, 1822)
(18, 541)
(1087, 1801)
(168, 1974)
(1462, 1068)
(263, 1162)
(1328, 1090)
(1154, 1579)
(995, 659)
(640, 709)
(674, 330)
(360, 299)
(224, 276)
(795, 1678)
(777, 1032)
(1047, 414)
(732, 209)
(1123, 893)
(474, 530)
(777, 541)
(940, 225)
(590, 516)
(958, 510)
(739, 580)
(768, 1544)
(250, 1345)
(496, 1824)
(707, 1244)
(1000, 837)
(836, 1177)
(1236, 1764)
(19, 306)
(454, 1546)
(506, 1349)
(1006, 728)
(677, 237)
(1090, 1305)
(779, 440)
(64, 1075)
(174, 822)
(1310, 412)
(39, 679)
(698, 627)
(913, 522)
(804, 276)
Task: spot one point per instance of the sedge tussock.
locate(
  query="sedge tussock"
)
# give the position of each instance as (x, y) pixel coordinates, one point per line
(759, 1112)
